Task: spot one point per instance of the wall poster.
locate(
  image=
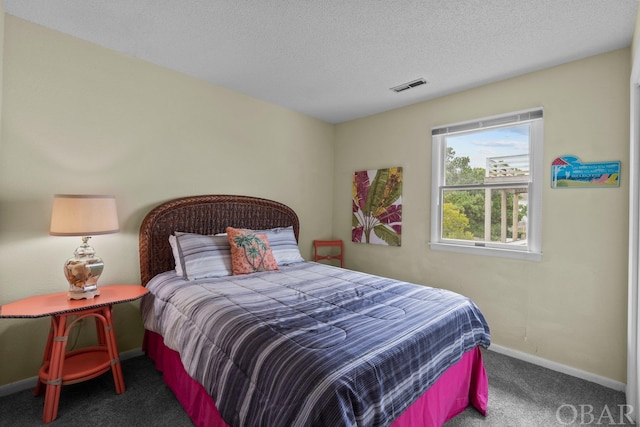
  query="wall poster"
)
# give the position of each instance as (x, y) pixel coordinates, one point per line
(570, 172)
(377, 207)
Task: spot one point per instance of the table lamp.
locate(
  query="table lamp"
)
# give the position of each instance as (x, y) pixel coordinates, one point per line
(85, 216)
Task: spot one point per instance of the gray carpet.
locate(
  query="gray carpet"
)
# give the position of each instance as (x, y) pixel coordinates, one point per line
(520, 395)
(146, 402)
(526, 395)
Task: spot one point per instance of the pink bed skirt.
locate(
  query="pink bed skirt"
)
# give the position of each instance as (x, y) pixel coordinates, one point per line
(463, 384)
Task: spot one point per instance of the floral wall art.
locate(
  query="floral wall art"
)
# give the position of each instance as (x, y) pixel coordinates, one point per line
(377, 207)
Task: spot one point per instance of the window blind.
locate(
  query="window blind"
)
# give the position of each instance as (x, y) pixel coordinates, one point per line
(487, 123)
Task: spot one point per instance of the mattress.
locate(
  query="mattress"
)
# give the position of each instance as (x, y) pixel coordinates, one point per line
(311, 344)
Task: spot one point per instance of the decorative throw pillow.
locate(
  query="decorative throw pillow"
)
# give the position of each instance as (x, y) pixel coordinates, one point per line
(250, 251)
(284, 245)
(198, 256)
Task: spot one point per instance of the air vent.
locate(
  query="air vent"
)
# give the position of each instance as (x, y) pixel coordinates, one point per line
(409, 85)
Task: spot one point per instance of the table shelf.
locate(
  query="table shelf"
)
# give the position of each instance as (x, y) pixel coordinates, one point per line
(81, 365)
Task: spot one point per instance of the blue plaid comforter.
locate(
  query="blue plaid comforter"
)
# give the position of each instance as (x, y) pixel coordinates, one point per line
(311, 344)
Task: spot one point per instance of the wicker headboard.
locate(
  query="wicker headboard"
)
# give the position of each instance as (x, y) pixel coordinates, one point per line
(208, 214)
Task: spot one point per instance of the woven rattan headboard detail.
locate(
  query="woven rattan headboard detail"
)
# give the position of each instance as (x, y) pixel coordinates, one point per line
(208, 214)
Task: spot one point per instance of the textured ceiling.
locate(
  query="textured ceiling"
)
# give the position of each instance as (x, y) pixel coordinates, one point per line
(337, 59)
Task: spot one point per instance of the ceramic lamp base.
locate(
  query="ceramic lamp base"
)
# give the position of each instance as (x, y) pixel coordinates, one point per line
(83, 271)
(83, 294)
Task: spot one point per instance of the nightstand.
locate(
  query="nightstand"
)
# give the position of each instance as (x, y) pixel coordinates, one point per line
(60, 367)
(333, 254)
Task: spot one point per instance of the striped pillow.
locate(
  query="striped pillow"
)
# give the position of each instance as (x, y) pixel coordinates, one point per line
(283, 245)
(198, 256)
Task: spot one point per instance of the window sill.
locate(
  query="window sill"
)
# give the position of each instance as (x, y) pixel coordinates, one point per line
(475, 250)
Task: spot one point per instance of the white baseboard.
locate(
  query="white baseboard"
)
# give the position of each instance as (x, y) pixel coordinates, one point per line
(30, 383)
(558, 367)
(18, 386)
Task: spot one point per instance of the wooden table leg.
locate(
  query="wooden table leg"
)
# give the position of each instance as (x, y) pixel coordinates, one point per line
(45, 358)
(114, 356)
(56, 363)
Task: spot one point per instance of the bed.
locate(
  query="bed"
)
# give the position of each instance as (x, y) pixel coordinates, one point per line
(301, 343)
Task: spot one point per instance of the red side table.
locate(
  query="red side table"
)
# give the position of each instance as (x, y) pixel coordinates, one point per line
(61, 368)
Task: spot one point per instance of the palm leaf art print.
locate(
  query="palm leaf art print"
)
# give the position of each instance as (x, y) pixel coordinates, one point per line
(377, 207)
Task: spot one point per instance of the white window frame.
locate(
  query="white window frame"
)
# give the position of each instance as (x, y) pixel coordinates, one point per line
(533, 249)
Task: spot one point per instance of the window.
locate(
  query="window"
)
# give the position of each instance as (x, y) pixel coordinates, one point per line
(487, 186)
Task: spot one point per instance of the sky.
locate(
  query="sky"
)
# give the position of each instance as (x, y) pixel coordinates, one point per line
(497, 142)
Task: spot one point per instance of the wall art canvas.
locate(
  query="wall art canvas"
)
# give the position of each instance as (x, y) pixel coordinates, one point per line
(377, 207)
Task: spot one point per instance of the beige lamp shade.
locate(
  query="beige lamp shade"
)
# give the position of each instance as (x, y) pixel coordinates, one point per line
(83, 215)
(86, 216)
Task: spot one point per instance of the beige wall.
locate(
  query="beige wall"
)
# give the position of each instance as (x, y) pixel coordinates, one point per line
(82, 119)
(571, 307)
